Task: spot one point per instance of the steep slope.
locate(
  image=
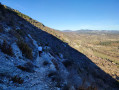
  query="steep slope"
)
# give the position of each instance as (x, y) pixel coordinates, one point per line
(59, 67)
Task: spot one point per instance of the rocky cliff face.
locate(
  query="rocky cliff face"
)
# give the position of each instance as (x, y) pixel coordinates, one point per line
(60, 67)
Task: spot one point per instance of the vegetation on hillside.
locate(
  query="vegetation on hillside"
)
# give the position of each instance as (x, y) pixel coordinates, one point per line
(110, 43)
(102, 48)
(26, 50)
(6, 48)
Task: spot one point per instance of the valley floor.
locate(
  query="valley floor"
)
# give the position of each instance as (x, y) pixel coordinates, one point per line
(102, 49)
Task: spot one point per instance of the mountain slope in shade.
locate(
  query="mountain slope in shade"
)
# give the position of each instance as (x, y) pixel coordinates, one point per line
(60, 67)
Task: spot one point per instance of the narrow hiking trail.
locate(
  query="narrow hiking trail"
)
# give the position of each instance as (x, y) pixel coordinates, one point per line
(38, 80)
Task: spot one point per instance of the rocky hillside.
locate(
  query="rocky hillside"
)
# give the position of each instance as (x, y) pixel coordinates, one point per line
(60, 67)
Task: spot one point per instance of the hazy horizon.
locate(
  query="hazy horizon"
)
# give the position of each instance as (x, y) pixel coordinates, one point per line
(70, 14)
(90, 29)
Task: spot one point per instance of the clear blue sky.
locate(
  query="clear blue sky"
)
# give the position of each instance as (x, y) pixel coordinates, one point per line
(71, 14)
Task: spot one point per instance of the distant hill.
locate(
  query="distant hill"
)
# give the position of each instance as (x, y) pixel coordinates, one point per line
(67, 31)
(94, 31)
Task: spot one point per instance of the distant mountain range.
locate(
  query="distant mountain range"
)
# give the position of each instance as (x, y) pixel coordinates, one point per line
(94, 31)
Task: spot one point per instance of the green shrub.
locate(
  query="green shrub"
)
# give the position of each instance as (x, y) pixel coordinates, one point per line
(17, 79)
(26, 50)
(56, 53)
(22, 68)
(22, 25)
(116, 83)
(1, 29)
(27, 67)
(11, 23)
(46, 44)
(15, 34)
(67, 63)
(55, 77)
(5, 48)
(89, 88)
(20, 32)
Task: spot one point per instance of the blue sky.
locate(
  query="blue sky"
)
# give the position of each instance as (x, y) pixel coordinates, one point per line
(71, 14)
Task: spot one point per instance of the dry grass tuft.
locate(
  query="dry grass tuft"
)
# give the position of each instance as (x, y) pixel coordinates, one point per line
(26, 50)
(6, 48)
(17, 79)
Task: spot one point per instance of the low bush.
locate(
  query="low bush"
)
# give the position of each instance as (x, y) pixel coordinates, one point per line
(17, 79)
(28, 67)
(55, 63)
(46, 44)
(89, 88)
(20, 32)
(116, 83)
(52, 73)
(6, 48)
(26, 50)
(11, 22)
(55, 77)
(79, 70)
(56, 53)
(67, 63)
(22, 25)
(22, 68)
